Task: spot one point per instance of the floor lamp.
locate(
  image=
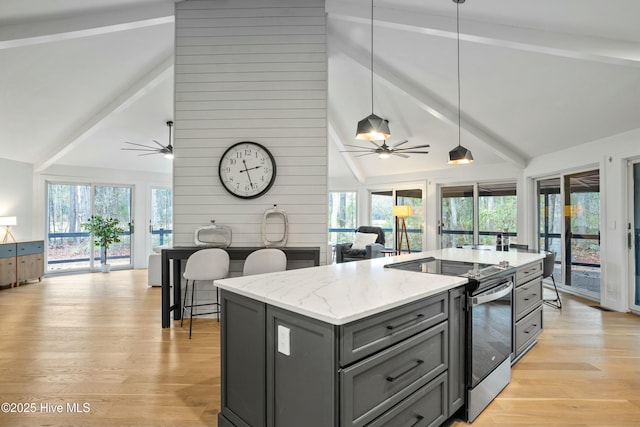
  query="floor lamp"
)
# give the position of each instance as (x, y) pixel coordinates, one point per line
(402, 211)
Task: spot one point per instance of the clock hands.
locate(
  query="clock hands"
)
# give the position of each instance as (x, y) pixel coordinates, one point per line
(246, 169)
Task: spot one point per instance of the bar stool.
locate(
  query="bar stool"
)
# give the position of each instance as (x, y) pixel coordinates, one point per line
(203, 265)
(264, 261)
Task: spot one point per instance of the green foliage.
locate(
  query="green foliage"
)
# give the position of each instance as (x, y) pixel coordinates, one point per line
(105, 231)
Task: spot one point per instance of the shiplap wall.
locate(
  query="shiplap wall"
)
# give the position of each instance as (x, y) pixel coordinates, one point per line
(251, 70)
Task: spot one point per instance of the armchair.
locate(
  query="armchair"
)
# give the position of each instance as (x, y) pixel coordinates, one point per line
(366, 247)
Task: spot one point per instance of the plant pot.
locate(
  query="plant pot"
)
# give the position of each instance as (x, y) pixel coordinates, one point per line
(105, 268)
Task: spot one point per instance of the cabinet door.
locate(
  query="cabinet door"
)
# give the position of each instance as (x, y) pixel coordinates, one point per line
(7, 271)
(457, 343)
(301, 371)
(30, 267)
(242, 360)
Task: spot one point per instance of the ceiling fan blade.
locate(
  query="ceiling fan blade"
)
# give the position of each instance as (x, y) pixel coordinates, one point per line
(367, 154)
(358, 146)
(400, 143)
(149, 154)
(358, 151)
(412, 152)
(152, 150)
(414, 147)
(400, 155)
(141, 145)
(374, 143)
(158, 143)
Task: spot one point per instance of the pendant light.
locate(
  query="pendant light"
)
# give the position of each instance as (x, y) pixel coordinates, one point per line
(459, 155)
(372, 127)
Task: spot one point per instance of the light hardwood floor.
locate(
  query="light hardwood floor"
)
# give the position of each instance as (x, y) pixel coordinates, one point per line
(96, 339)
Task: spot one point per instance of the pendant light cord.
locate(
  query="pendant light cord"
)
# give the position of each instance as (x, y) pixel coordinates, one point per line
(371, 56)
(458, 33)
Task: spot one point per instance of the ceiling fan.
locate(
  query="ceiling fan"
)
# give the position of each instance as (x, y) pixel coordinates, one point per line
(384, 151)
(166, 150)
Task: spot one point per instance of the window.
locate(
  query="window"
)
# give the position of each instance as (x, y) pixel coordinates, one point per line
(412, 198)
(456, 216)
(497, 210)
(475, 214)
(160, 225)
(342, 216)
(382, 214)
(382, 203)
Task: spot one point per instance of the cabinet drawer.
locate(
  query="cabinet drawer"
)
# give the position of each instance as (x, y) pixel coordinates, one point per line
(528, 272)
(374, 385)
(425, 407)
(30, 248)
(528, 296)
(365, 337)
(8, 250)
(528, 329)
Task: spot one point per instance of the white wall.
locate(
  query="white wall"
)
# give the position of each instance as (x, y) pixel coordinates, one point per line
(16, 198)
(250, 71)
(142, 183)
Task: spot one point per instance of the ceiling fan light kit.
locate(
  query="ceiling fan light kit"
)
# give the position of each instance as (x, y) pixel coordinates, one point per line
(459, 155)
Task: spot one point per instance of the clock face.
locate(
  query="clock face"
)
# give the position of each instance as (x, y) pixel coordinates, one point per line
(247, 170)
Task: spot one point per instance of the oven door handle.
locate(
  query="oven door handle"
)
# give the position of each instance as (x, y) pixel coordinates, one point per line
(492, 295)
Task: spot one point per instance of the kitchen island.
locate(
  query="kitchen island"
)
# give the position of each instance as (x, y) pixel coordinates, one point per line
(350, 344)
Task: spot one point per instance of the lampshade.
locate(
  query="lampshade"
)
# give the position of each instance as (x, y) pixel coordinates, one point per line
(460, 156)
(402, 210)
(8, 220)
(373, 128)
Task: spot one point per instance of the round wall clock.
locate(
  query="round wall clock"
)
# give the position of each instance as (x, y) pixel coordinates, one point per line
(247, 170)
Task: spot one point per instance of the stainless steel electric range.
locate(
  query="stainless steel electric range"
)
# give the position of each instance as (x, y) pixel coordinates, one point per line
(489, 324)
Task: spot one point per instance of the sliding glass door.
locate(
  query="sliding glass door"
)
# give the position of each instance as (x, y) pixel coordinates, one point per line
(69, 246)
(582, 222)
(550, 221)
(633, 235)
(569, 225)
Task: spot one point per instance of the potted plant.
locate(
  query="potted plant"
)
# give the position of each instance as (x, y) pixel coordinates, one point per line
(105, 232)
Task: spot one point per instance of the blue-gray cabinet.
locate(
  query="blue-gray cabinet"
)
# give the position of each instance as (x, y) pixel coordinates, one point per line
(20, 262)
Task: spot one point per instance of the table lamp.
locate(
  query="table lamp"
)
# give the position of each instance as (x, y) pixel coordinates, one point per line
(403, 211)
(8, 221)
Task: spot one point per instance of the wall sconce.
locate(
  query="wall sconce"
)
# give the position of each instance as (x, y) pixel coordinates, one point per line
(403, 211)
(8, 221)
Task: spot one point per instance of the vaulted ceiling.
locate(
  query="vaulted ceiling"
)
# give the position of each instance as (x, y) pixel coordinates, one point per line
(79, 78)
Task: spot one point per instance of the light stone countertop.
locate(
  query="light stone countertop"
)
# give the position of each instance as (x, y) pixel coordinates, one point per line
(342, 293)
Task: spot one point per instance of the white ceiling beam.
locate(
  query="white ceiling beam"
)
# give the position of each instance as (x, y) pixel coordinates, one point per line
(31, 33)
(429, 102)
(136, 90)
(337, 140)
(582, 47)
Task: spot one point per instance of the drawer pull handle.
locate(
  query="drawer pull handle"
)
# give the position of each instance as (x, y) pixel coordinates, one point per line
(406, 371)
(392, 327)
(535, 325)
(418, 418)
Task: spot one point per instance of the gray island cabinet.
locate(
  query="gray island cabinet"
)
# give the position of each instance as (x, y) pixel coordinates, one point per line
(356, 344)
(403, 366)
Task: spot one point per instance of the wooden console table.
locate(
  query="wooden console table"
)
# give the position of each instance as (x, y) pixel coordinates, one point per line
(179, 253)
